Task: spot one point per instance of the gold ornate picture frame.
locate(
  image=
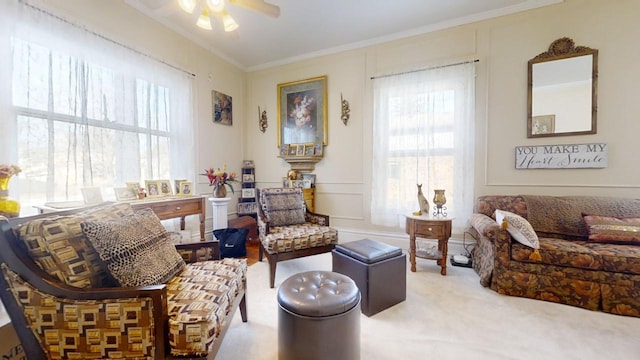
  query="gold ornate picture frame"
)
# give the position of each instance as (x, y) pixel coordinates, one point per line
(302, 111)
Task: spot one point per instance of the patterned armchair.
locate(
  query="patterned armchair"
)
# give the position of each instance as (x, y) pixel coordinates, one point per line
(288, 230)
(67, 302)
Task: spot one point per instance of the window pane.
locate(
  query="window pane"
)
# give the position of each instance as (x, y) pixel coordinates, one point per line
(30, 75)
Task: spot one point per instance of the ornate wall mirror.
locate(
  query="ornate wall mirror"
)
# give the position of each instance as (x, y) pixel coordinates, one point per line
(562, 91)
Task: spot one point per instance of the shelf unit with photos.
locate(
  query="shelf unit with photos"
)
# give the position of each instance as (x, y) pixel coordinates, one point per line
(247, 204)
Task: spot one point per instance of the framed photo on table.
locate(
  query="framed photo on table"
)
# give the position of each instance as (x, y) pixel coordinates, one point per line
(126, 193)
(186, 188)
(165, 187)
(91, 195)
(153, 188)
(302, 111)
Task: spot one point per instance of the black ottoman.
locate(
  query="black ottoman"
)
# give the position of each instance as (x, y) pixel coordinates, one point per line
(379, 270)
(318, 317)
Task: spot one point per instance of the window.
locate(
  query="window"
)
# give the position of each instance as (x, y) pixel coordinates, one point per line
(87, 112)
(423, 134)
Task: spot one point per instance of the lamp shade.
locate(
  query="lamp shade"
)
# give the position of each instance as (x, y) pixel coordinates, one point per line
(229, 23)
(187, 5)
(204, 21)
(216, 5)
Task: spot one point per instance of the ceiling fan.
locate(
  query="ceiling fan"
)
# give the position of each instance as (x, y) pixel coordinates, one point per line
(207, 10)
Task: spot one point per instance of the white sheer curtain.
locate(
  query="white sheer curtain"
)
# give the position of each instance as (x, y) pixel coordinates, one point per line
(423, 134)
(79, 110)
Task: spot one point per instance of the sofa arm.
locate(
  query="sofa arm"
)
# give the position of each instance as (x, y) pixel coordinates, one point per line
(314, 218)
(490, 231)
(199, 251)
(98, 318)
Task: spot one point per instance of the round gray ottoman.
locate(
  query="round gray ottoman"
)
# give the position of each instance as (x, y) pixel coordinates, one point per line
(318, 317)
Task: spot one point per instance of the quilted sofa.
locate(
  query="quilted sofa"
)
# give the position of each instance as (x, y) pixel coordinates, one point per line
(106, 282)
(588, 255)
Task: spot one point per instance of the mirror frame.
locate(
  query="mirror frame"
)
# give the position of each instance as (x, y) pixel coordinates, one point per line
(563, 48)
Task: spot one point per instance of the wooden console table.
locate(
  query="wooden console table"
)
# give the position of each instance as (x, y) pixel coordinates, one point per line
(164, 207)
(173, 207)
(430, 228)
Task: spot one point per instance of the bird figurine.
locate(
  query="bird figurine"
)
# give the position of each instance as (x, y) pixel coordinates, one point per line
(422, 201)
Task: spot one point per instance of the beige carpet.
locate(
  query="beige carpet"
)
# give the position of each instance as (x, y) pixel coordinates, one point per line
(444, 317)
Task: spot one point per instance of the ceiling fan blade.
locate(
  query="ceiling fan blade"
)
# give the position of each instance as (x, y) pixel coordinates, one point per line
(259, 6)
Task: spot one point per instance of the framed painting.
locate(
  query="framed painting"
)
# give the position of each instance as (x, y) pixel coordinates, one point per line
(302, 111)
(222, 108)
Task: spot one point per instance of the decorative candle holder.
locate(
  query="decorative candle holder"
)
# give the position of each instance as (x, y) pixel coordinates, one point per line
(439, 200)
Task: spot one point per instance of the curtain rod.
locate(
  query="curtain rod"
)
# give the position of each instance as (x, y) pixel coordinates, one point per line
(423, 69)
(81, 27)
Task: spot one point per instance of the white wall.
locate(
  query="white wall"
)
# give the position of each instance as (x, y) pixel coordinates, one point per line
(503, 46)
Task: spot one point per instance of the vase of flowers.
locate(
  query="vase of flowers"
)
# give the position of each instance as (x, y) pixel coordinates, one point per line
(8, 207)
(220, 179)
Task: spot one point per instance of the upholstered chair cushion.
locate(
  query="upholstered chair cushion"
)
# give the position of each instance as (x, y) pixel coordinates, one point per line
(58, 246)
(296, 237)
(136, 248)
(283, 206)
(198, 300)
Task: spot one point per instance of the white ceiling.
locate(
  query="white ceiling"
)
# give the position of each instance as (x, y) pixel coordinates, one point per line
(308, 28)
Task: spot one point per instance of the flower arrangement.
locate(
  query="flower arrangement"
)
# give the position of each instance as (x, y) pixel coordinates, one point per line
(219, 177)
(7, 171)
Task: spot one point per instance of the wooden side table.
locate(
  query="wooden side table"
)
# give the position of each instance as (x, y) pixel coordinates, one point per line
(430, 228)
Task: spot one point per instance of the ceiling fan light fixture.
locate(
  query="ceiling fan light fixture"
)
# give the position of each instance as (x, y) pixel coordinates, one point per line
(188, 5)
(204, 21)
(216, 5)
(229, 23)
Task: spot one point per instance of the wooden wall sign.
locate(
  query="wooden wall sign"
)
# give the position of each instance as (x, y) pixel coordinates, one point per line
(572, 156)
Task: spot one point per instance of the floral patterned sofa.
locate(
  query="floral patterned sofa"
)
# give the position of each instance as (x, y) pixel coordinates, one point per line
(106, 282)
(588, 250)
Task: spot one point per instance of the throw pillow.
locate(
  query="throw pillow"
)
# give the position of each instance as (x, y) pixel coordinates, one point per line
(519, 228)
(283, 207)
(136, 248)
(606, 229)
(58, 246)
